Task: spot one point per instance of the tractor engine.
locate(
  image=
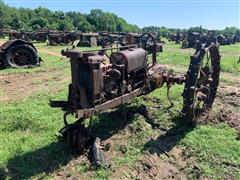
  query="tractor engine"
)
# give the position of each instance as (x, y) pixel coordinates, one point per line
(97, 78)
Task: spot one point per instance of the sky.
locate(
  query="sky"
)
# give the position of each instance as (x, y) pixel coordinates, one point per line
(211, 14)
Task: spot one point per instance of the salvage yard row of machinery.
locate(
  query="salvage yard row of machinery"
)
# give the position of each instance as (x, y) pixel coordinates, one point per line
(103, 80)
(19, 53)
(55, 37)
(190, 39)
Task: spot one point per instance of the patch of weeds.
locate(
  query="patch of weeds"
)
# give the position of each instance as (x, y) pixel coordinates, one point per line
(81, 168)
(101, 174)
(140, 133)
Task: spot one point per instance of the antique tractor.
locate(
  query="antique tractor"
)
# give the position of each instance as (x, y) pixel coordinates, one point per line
(26, 36)
(108, 38)
(175, 37)
(191, 40)
(18, 54)
(101, 81)
(88, 40)
(39, 36)
(129, 39)
(60, 38)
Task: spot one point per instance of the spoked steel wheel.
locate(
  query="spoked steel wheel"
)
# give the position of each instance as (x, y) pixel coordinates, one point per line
(68, 39)
(147, 41)
(201, 83)
(22, 56)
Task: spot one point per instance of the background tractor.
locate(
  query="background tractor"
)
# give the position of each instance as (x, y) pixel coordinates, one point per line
(18, 54)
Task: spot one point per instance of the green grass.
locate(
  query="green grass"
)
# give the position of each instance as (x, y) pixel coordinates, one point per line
(27, 133)
(173, 55)
(217, 149)
(29, 147)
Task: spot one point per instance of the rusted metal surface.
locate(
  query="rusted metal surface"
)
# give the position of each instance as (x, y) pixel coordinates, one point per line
(100, 82)
(191, 40)
(60, 37)
(202, 81)
(88, 40)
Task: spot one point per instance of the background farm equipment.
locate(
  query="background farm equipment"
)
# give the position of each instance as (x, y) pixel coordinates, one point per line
(108, 38)
(101, 82)
(18, 54)
(175, 37)
(26, 36)
(59, 37)
(88, 40)
(40, 36)
(191, 40)
(129, 39)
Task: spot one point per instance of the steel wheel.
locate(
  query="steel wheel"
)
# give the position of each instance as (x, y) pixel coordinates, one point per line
(201, 83)
(21, 57)
(147, 41)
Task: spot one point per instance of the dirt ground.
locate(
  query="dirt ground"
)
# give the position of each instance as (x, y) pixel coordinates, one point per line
(176, 164)
(21, 85)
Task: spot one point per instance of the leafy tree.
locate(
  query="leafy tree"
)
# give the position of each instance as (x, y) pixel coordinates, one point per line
(96, 20)
(39, 22)
(85, 26)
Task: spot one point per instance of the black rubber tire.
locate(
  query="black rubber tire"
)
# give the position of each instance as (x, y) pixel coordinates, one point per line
(87, 44)
(34, 58)
(68, 39)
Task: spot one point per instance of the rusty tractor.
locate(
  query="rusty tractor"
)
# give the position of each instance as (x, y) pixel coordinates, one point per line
(60, 38)
(129, 39)
(226, 39)
(108, 38)
(88, 40)
(175, 37)
(191, 40)
(18, 54)
(101, 81)
(40, 36)
(26, 36)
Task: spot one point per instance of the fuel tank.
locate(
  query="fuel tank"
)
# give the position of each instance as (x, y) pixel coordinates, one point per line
(133, 59)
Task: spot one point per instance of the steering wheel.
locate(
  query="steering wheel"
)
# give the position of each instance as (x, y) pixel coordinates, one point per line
(148, 42)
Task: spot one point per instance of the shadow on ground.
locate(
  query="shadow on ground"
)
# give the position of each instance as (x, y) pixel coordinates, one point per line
(164, 143)
(43, 160)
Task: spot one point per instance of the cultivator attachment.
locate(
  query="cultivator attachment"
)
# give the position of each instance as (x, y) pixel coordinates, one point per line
(101, 82)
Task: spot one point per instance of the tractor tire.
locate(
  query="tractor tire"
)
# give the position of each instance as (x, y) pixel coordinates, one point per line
(68, 39)
(22, 56)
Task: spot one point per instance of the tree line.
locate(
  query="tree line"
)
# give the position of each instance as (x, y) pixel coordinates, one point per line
(25, 19)
(166, 31)
(39, 18)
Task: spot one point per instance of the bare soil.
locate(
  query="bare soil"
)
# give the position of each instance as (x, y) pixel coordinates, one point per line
(51, 53)
(18, 86)
(228, 103)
